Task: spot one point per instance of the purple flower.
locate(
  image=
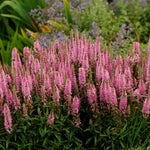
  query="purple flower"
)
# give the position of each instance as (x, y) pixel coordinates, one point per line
(121, 35)
(123, 25)
(101, 38)
(93, 24)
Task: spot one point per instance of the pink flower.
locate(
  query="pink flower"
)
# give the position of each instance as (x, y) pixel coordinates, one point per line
(37, 47)
(105, 74)
(15, 100)
(7, 119)
(57, 96)
(26, 52)
(113, 96)
(120, 81)
(101, 92)
(73, 79)
(136, 58)
(14, 53)
(75, 110)
(85, 62)
(25, 88)
(147, 72)
(1, 98)
(91, 93)
(136, 47)
(56, 45)
(137, 92)
(29, 79)
(97, 47)
(127, 72)
(146, 107)
(123, 103)
(43, 95)
(75, 105)
(142, 87)
(8, 79)
(82, 77)
(51, 119)
(67, 91)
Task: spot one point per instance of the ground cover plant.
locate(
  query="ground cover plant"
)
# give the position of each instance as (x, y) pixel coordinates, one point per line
(74, 95)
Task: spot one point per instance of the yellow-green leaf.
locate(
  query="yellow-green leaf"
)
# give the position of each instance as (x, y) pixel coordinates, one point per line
(23, 33)
(32, 34)
(60, 26)
(46, 28)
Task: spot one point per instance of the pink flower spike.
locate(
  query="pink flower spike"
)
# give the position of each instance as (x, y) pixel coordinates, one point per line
(57, 96)
(26, 52)
(51, 119)
(67, 91)
(14, 54)
(85, 62)
(75, 110)
(82, 77)
(146, 108)
(91, 93)
(75, 105)
(15, 100)
(113, 96)
(37, 47)
(73, 79)
(136, 47)
(137, 92)
(142, 87)
(7, 119)
(123, 103)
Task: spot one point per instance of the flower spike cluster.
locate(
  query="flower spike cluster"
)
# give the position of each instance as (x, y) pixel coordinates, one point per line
(68, 74)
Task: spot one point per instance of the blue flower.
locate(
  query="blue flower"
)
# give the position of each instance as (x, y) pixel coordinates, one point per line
(123, 25)
(101, 38)
(93, 24)
(121, 35)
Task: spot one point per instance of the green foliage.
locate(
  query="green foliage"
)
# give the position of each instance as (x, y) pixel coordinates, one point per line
(68, 13)
(14, 14)
(109, 133)
(7, 46)
(19, 10)
(138, 16)
(105, 19)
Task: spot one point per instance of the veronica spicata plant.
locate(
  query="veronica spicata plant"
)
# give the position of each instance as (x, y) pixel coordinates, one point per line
(75, 84)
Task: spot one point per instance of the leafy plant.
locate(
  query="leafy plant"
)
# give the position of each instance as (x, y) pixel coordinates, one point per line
(7, 46)
(14, 14)
(137, 13)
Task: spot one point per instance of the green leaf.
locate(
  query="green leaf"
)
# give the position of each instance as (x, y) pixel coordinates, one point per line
(2, 147)
(2, 50)
(10, 16)
(88, 141)
(68, 13)
(44, 142)
(15, 5)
